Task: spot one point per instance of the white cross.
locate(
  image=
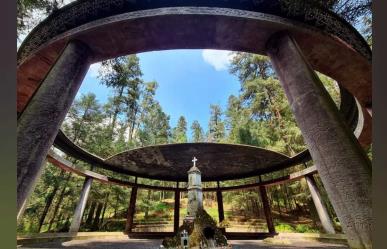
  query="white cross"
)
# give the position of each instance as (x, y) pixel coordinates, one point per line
(194, 161)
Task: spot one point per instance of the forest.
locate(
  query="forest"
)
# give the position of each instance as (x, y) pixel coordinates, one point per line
(132, 117)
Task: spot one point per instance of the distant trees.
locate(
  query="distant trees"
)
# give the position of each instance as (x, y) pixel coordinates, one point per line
(216, 129)
(179, 133)
(197, 132)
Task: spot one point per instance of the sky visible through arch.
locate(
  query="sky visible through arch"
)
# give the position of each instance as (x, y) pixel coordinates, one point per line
(189, 81)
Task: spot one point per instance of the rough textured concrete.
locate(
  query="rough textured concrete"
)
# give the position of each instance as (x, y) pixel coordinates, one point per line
(319, 204)
(78, 213)
(343, 166)
(40, 121)
(154, 244)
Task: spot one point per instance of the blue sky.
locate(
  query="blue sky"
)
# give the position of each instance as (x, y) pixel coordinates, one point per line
(189, 81)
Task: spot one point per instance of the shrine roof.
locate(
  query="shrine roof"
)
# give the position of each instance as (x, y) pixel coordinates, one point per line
(171, 162)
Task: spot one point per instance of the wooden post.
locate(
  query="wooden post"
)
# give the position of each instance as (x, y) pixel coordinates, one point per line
(219, 199)
(176, 217)
(267, 209)
(131, 209)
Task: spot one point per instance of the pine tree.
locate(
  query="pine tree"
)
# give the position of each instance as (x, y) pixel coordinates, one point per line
(197, 132)
(179, 133)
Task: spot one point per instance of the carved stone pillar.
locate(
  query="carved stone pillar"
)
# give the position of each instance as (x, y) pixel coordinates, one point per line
(40, 121)
(78, 214)
(342, 164)
(131, 210)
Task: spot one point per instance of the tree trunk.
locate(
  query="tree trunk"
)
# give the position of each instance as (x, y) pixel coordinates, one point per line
(96, 218)
(115, 114)
(147, 207)
(49, 200)
(91, 213)
(104, 207)
(60, 199)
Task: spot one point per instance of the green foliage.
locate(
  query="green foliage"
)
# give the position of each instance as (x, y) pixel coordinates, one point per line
(216, 129)
(179, 133)
(284, 228)
(197, 132)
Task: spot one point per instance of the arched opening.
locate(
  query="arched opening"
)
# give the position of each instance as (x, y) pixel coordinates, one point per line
(83, 42)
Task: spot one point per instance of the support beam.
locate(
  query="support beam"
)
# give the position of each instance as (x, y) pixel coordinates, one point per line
(343, 166)
(176, 216)
(78, 214)
(219, 199)
(267, 209)
(131, 210)
(319, 204)
(40, 121)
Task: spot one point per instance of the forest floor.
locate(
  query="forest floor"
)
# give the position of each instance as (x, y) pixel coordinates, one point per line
(154, 244)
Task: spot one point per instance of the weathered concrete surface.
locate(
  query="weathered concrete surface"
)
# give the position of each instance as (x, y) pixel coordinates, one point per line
(343, 166)
(217, 161)
(78, 214)
(319, 204)
(124, 243)
(40, 121)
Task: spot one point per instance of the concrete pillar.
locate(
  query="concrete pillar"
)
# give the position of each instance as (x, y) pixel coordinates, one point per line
(40, 121)
(131, 210)
(78, 214)
(267, 209)
(319, 204)
(342, 164)
(176, 216)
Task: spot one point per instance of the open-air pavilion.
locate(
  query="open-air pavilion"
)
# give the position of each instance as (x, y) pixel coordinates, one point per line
(299, 40)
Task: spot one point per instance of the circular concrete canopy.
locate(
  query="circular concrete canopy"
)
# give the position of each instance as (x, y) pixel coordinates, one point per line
(171, 162)
(113, 28)
(216, 161)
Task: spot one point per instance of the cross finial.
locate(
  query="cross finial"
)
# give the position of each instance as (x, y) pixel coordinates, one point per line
(194, 161)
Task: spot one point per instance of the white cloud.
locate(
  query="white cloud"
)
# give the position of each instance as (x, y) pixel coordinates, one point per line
(94, 68)
(219, 59)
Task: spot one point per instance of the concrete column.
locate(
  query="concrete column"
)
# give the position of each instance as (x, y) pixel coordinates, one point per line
(176, 216)
(78, 214)
(131, 210)
(267, 209)
(219, 199)
(318, 203)
(343, 165)
(40, 121)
